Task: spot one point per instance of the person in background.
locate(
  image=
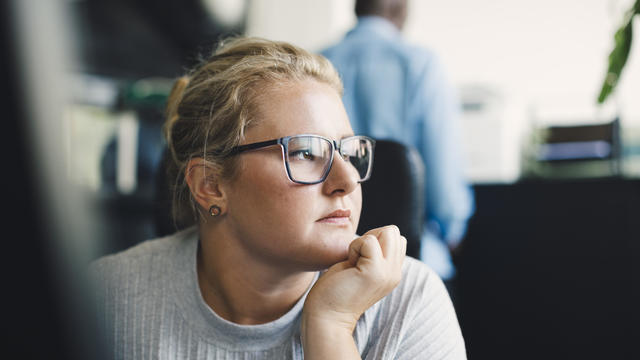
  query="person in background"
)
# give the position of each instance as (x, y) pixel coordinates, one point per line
(393, 90)
(268, 169)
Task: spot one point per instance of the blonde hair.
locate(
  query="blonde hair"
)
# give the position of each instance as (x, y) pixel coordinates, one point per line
(210, 108)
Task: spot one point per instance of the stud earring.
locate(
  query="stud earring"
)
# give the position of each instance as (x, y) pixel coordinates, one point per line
(215, 210)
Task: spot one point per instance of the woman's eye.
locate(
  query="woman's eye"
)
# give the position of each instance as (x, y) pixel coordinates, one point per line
(301, 155)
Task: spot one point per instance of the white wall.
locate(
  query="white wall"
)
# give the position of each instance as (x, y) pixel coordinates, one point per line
(312, 24)
(542, 51)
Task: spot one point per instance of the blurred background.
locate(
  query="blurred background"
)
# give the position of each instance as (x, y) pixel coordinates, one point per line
(549, 267)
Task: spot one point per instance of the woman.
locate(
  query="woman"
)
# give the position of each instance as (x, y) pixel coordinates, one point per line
(266, 163)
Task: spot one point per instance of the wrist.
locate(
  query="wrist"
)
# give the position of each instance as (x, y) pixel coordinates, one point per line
(325, 337)
(328, 321)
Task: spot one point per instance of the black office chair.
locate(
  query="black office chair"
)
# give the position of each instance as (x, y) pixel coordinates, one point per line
(395, 193)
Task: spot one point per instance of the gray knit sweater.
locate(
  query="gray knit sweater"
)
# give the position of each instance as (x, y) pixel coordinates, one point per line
(150, 304)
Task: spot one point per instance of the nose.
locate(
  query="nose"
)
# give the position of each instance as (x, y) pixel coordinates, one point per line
(342, 178)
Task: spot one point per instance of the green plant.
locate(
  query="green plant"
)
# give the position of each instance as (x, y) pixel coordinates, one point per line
(620, 53)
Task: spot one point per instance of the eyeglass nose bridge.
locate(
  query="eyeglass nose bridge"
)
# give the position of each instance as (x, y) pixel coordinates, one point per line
(337, 146)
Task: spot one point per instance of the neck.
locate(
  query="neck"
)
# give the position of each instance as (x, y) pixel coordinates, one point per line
(398, 23)
(242, 290)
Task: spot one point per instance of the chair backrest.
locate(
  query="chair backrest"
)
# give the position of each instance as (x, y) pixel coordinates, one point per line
(164, 224)
(395, 193)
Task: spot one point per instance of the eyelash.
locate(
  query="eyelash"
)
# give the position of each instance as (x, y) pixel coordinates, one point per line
(304, 153)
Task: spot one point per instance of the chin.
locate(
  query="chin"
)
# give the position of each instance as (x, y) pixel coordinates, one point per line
(336, 250)
(328, 246)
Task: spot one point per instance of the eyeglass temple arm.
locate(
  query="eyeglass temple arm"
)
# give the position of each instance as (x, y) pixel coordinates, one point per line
(242, 148)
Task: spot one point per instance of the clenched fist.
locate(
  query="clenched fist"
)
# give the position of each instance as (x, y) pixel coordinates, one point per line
(347, 289)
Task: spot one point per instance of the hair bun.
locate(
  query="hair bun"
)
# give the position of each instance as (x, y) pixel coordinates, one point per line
(173, 103)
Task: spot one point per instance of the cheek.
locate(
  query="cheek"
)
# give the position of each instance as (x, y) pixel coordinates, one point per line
(263, 194)
(287, 203)
(356, 197)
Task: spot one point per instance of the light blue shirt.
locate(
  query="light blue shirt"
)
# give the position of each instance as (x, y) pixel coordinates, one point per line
(393, 90)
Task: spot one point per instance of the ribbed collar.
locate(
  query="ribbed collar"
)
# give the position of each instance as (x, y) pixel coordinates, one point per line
(212, 327)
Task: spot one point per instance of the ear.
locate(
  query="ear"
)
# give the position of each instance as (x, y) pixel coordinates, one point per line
(205, 184)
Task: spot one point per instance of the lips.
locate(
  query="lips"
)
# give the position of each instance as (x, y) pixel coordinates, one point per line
(338, 215)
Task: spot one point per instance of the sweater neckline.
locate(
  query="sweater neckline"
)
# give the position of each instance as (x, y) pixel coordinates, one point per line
(214, 328)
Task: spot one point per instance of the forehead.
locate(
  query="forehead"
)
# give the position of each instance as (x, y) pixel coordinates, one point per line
(304, 107)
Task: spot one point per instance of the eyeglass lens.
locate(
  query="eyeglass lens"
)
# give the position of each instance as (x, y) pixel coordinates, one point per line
(309, 157)
(358, 151)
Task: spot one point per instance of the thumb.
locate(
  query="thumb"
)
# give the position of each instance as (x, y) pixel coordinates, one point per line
(337, 267)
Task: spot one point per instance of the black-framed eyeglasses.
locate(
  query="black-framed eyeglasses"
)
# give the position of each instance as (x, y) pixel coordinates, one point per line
(308, 158)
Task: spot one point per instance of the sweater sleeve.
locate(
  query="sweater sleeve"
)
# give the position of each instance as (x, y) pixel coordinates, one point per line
(432, 331)
(416, 321)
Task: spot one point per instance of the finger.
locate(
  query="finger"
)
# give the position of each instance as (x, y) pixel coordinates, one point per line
(395, 248)
(400, 247)
(376, 231)
(389, 238)
(401, 253)
(366, 246)
(337, 267)
(395, 260)
(403, 250)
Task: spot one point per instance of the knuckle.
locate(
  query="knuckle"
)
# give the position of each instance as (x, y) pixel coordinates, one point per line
(391, 229)
(369, 239)
(359, 241)
(364, 242)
